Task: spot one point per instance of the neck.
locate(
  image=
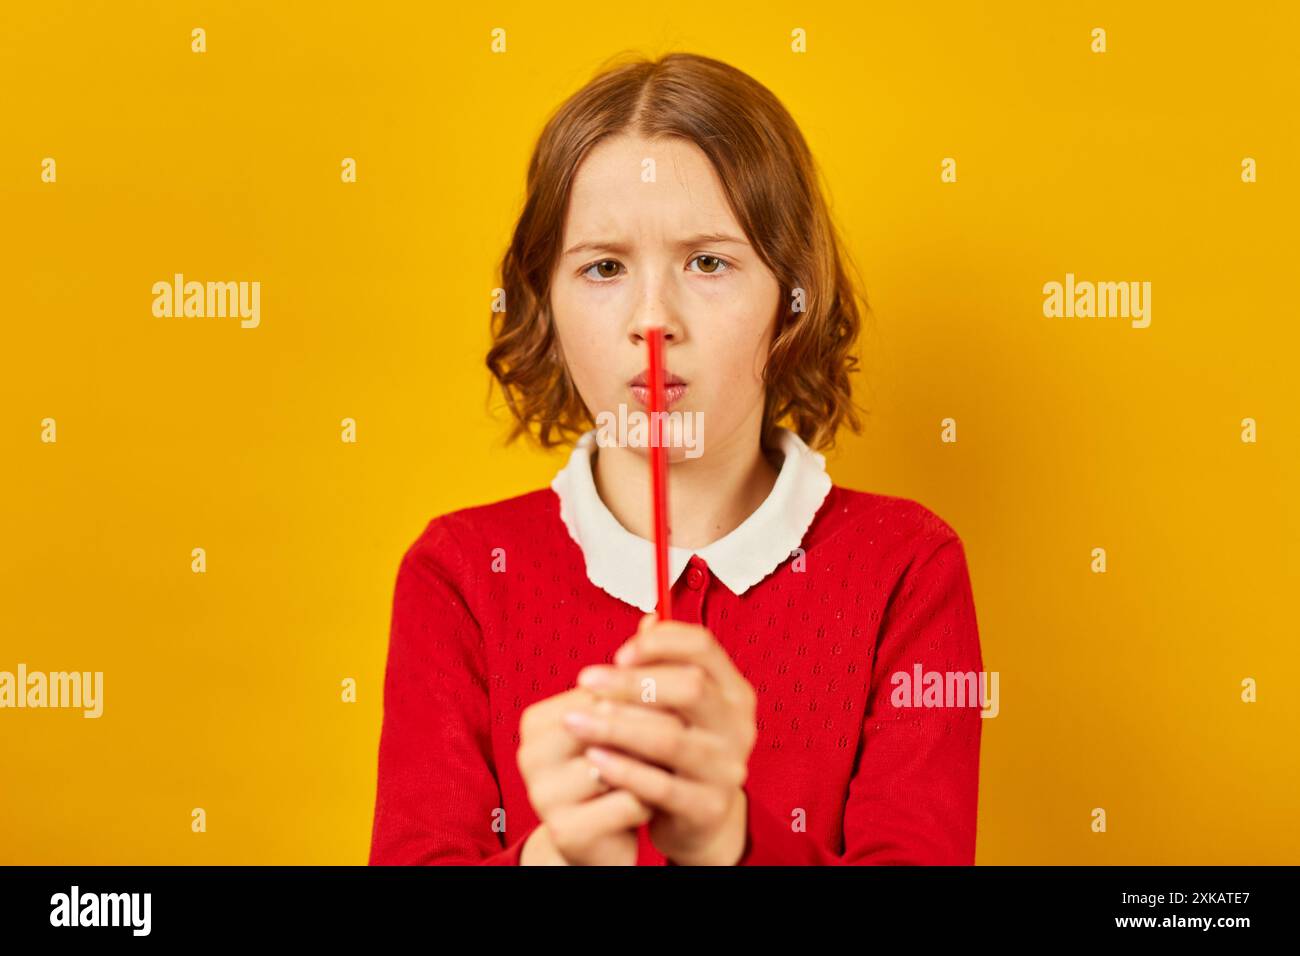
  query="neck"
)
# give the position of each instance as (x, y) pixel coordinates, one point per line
(708, 497)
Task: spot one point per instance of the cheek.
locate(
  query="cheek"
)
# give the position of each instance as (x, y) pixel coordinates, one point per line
(582, 310)
(732, 372)
(743, 336)
(587, 353)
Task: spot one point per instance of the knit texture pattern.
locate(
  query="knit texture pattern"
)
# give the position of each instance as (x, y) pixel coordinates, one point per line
(492, 611)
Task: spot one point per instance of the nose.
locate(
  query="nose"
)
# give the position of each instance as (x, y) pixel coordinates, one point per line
(648, 318)
(656, 304)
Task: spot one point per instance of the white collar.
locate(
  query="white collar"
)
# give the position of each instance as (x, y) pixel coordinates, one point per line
(622, 563)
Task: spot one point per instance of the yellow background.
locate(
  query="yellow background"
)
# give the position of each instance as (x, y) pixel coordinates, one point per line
(222, 690)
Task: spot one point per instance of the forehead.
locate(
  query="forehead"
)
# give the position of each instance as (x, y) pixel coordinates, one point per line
(612, 191)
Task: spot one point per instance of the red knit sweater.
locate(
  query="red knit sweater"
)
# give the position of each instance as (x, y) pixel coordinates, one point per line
(839, 774)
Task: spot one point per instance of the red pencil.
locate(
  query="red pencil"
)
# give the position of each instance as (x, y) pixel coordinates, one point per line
(659, 470)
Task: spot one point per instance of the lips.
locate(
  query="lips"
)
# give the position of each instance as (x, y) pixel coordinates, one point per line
(672, 394)
(642, 379)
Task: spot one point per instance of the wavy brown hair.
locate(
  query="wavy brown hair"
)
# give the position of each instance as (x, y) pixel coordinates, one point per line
(768, 175)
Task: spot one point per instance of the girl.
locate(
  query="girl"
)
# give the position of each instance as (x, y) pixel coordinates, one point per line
(534, 711)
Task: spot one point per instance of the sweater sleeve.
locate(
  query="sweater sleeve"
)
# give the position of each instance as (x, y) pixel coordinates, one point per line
(913, 795)
(437, 797)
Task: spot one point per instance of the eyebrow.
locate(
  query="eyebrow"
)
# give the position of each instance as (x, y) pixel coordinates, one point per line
(622, 248)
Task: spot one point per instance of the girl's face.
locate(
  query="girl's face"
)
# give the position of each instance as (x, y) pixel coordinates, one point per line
(651, 240)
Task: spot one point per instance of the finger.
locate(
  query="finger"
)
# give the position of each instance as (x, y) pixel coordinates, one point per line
(546, 741)
(585, 724)
(543, 710)
(682, 643)
(579, 824)
(573, 781)
(684, 688)
(700, 805)
(662, 739)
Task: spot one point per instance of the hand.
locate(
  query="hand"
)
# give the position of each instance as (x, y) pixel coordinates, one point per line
(683, 749)
(584, 821)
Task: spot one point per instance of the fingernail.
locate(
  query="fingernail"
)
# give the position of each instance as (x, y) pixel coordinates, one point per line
(599, 755)
(593, 677)
(579, 721)
(625, 654)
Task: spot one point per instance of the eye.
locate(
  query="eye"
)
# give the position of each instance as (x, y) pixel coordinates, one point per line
(602, 275)
(711, 265)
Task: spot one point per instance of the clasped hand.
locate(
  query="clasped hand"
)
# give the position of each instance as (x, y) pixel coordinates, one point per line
(673, 723)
